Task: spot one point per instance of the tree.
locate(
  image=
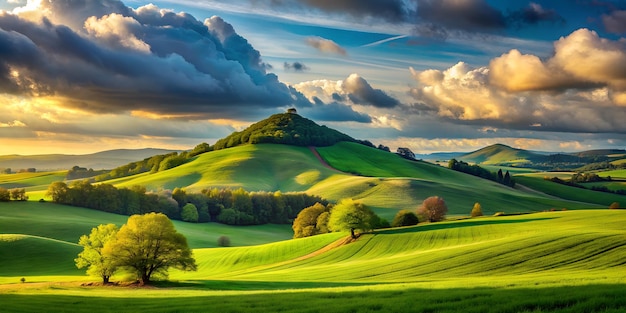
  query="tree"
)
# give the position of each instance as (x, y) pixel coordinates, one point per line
(223, 241)
(477, 210)
(352, 216)
(18, 194)
(189, 213)
(305, 224)
(434, 209)
(149, 244)
(5, 194)
(404, 218)
(92, 257)
(614, 206)
(58, 192)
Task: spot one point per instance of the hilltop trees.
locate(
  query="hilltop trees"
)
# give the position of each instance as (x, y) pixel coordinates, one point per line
(91, 257)
(149, 244)
(433, 209)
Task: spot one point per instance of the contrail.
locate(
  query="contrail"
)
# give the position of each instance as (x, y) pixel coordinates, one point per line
(376, 43)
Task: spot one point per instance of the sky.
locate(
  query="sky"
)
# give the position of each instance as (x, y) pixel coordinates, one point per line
(81, 76)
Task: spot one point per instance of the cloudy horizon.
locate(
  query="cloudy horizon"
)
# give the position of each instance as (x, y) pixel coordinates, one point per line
(84, 76)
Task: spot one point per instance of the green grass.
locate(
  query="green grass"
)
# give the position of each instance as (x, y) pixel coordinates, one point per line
(545, 262)
(30, 180)
(572, 193)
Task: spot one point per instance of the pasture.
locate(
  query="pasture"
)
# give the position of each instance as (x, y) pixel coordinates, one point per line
(568, 261)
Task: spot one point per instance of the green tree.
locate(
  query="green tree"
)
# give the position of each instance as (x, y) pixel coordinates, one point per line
(19, 194)
(477, 210)
(92, 257)
(404, 218)
(305, 224)
(5, 194)
(189, 213)
(149, 244)
(352, 216)
(433, 209)
(223, 241)
(58, 191)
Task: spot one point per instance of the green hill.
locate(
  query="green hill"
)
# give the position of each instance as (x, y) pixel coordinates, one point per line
(498, 154)
(285, 128)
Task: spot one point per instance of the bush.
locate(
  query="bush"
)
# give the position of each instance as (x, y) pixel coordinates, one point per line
(189, 213)
(614, 206)
(223, 241)
(477, 210)
(404, 218)
(433, 209)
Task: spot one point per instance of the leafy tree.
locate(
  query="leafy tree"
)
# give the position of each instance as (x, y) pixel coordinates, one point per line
(223, 241)
(352, 216)
(404, 218)
(614, 206)
(434, 209)
(477, 210)
(305, 224)
(149, 244)
(189, 213)
(19, 194)
(58, 191)
(92, 257)
(5, 194)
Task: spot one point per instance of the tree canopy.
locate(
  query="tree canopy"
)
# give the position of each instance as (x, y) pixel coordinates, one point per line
(92, 257)
(433, 208)
(404, 218)
(149, 244)
(352, 216)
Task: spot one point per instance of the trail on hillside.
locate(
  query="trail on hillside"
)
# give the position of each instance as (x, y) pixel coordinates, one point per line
(324, 163)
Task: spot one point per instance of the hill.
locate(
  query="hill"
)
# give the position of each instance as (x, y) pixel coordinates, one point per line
(498, 154)
(100, 160)
(285, 128)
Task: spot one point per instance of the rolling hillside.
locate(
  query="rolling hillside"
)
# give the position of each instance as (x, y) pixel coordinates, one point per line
(100, 160)
(497, 154)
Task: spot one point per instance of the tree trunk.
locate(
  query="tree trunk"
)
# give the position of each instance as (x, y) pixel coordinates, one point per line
(352, 233)
(105, 279)
(145, 279)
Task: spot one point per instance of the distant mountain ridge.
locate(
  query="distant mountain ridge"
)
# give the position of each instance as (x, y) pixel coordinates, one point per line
(498, 153)
(100, 160)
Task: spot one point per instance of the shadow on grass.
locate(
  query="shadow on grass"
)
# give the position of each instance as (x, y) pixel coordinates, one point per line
(243, 285)
(464, 223)
(392, 298)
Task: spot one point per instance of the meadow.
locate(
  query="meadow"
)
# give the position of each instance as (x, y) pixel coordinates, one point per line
(569, 261)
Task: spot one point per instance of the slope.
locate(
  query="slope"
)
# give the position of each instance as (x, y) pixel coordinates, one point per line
(497, 154)
(580, 243)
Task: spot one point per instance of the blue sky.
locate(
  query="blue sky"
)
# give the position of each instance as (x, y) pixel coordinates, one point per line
(448, 75)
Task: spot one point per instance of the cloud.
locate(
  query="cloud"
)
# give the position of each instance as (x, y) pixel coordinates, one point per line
(354, 89)
(534, 14)
(101, 56)
(325, 45)
(615, 22)
(296, 66)
(581, 60)
(335, 112)
(466, 15)
(474, 97)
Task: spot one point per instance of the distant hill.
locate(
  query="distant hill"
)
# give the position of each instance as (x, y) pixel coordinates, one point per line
(600, 152)
(285, 128)
(101, 160)
(498, 154)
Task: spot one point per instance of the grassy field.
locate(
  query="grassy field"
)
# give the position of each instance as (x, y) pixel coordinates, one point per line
(31, 181)
(544, 262)
(567, 192)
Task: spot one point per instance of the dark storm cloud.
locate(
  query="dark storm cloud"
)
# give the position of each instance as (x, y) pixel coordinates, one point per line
(615, 22)
(295, 66)
(146, 59)
(390, 10)
(534, 14)
(361, 92)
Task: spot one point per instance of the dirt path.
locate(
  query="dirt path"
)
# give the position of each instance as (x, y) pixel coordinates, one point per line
(319, 158)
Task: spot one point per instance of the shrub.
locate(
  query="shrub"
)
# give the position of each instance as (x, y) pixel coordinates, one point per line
(404, 218)
(614, 206)
(476, 210)
(433, 209)
(190, 213)
(223, 241)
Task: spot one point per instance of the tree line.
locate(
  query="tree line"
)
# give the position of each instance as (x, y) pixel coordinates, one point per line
(15, 194)
(227, 206)
(475, 170)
